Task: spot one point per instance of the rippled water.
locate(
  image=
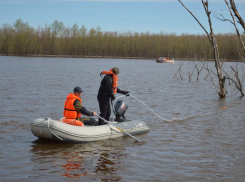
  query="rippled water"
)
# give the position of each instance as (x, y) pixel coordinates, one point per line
(210, 147)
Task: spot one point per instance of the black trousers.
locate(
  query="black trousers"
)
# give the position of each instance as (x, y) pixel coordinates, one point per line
(105, 110)
(88, 121)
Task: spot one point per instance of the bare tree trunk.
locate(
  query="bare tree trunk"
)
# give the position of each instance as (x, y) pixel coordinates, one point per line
(213, 42)
(212, 39)
(190, 73)
(179, 72)
(237, 81)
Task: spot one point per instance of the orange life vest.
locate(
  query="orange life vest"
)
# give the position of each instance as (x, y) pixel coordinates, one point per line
(114, 82)
(69, 111)
(72, 122)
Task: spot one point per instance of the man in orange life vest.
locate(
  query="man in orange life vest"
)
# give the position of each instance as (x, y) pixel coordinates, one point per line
(73, 108)
(107, 91)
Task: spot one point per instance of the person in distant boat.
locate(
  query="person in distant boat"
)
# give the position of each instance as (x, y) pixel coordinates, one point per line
(108, 89)
(73, 108)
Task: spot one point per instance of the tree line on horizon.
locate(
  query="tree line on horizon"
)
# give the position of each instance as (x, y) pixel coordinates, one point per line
(20, 39)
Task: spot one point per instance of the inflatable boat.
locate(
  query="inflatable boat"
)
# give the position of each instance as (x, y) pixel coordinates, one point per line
(117, 127)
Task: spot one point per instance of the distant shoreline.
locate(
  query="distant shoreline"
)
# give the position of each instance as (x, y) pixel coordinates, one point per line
(113, 57)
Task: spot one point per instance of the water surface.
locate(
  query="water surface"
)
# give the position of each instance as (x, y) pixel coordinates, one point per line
(199, 148)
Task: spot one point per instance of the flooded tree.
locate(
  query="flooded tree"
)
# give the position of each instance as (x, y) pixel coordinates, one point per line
(235, 78)
(212, 39)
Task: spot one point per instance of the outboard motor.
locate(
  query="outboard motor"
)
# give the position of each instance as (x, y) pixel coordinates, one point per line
(120, 109)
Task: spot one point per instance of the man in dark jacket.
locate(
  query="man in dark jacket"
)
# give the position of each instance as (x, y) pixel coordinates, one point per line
(108, 88)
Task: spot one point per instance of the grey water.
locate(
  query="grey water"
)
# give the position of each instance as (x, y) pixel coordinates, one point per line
(205, 142)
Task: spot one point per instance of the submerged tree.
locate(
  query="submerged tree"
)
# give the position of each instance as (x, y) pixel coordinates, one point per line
(212, 39)
(237, 81)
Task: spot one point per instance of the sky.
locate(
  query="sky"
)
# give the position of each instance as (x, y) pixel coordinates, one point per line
(153, 16)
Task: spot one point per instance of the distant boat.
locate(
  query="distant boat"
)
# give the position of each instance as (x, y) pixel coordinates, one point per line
(165, 60)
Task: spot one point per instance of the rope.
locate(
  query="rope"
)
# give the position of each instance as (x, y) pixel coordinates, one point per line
(174, 119)
(151, 109)
(108, 122)
(121, 96)
(52, 132)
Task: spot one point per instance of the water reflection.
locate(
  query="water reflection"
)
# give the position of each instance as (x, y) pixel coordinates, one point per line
(74, 163)
(94, 160)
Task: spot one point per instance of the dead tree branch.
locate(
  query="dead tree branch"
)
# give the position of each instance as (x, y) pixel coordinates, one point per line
(179, 72)
(233, 6)
(213, 42)
(196, 20)
(190, 73)
(212, 79)
(223, 18)
(198, 70)
(234, 9)
(237, 82)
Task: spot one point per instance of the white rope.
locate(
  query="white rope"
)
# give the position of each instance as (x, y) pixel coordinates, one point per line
(48, 128)
(151, 109)
(61, 119)
(120, 96)
(108, 122)
(176, 119)
(52, 132)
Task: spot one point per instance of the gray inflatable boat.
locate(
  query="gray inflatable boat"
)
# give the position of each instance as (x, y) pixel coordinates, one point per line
(57, 130)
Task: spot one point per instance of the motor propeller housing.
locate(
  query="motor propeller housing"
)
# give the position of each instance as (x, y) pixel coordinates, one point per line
(120, 108)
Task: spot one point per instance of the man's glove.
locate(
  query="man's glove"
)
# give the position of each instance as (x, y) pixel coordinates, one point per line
(113, 97)
(125, 93)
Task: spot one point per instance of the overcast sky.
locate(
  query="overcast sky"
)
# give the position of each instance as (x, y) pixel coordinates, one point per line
(153, 16)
